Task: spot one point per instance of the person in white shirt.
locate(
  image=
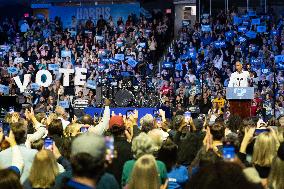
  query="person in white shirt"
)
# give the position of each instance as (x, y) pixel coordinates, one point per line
(18, 59)
(218, 61)
(190, 76)
(239, 78)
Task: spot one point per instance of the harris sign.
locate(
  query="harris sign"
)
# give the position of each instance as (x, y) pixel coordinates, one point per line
(83, 13)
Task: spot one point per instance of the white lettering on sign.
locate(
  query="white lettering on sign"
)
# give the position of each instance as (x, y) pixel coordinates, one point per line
(48, 80)
(80, 78)
(23, 86)
(94, 13)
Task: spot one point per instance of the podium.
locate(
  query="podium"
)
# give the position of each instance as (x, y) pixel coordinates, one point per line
(240, 100)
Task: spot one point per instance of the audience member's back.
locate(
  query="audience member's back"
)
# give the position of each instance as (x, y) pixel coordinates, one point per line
(221, 175)
(189, 143)
(122, 148)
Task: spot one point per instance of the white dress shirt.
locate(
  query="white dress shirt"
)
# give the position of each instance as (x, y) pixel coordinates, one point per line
(239, 79)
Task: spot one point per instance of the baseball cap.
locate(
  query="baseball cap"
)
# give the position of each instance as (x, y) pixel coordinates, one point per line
(89, 143)
(116, 120)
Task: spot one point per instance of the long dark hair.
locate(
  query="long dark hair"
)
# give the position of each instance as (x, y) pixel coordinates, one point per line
(221, 175)
(168, 149)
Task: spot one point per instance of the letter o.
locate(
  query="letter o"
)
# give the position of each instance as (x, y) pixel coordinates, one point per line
(48, 78)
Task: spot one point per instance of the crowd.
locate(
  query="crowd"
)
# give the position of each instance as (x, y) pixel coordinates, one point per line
(39, 151)
(113, 53)
(200, 61)
(191, 142)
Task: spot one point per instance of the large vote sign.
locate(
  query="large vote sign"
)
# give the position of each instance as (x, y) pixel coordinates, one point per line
(83, 13)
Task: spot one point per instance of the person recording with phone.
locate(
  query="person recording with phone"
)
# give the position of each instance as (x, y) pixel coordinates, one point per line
(263, 139)
(19, 130)
(122, 147)
(41, 105)
(50, 160)
(10, 176)
(88, 165)
(188, 137)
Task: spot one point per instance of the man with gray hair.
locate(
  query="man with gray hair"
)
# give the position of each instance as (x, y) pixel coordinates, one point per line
(147, 123)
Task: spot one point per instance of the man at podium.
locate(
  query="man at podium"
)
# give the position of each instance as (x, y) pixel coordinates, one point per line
(239, 93)
(239, 78)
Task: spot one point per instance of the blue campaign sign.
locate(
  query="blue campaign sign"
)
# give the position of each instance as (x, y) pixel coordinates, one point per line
(245, 17)
(73, 33)
(101, 67)
(206, 28)
(112, 61)
(280, 66)
(64, 54)
(102, 53)
(219, 44)
(167, 65)
(184, 56)
(132, 62)
(91, 84)
(242, 29)
(53, 67)
(178, 67)
(261, 29)
(230, 34)
(251, 34)
(251, 13)
(119, 57)
(185, 23)
(255, 21)
(105, 60)
(237, 20)
(125, 74)
(245, 23)
(119, 43)
(64, 104)
(242, 39)
(99, 38)
(35, 86)
(12, 70)
(83, 13)
(274, 32)
(255, 61)
(4, 89)
(143, 45)
(253, 47)
(192, 54)
(265, 71)
(279, 58)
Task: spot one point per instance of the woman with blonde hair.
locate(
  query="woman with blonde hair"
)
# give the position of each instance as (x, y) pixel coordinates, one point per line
(143, 145)
(72, 130)
(276, 176)
(45, 161)
(264, 151)
(145, 174)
